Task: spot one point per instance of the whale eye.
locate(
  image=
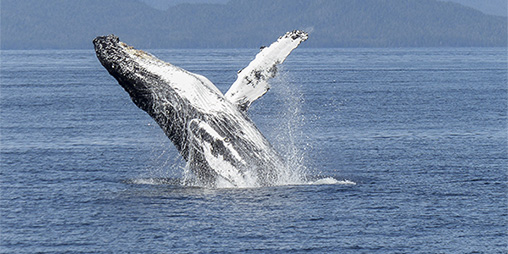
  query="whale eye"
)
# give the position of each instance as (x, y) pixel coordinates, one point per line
(227, 139)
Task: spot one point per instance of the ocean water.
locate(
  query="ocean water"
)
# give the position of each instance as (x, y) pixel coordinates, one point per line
(405, 151)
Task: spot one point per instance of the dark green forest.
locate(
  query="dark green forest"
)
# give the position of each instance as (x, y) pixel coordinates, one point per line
(63, 24)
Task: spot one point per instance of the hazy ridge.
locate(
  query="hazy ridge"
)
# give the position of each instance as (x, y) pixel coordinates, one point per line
(61, 24)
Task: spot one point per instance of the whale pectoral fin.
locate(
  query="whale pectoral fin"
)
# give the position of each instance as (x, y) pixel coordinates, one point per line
(252, 80)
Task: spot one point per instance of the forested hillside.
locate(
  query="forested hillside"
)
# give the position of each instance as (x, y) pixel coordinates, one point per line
(34, 24)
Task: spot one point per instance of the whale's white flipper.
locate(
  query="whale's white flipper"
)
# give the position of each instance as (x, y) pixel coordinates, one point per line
(252, 80)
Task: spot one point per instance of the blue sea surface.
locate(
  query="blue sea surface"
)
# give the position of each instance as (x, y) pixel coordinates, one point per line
(421, 132)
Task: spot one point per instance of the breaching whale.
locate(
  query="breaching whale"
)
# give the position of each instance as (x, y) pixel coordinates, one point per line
(211, 131)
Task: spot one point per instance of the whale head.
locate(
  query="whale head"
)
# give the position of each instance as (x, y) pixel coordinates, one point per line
(120, 60)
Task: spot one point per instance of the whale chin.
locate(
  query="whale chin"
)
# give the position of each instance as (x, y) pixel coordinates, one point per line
(210, 130)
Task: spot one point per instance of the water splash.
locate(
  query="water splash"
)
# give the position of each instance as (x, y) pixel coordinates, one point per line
(288, 131)
(286, 136)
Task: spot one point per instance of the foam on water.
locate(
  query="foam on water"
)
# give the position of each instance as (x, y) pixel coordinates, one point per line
(156, 181)
(224, 184)
(330, 181)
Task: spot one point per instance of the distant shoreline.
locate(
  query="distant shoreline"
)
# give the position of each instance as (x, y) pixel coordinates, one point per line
(28, 24)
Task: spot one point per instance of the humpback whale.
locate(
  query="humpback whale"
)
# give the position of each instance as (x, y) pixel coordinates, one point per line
(211, 130)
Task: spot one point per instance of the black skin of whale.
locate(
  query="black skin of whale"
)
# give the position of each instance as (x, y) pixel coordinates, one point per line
(183, 122)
